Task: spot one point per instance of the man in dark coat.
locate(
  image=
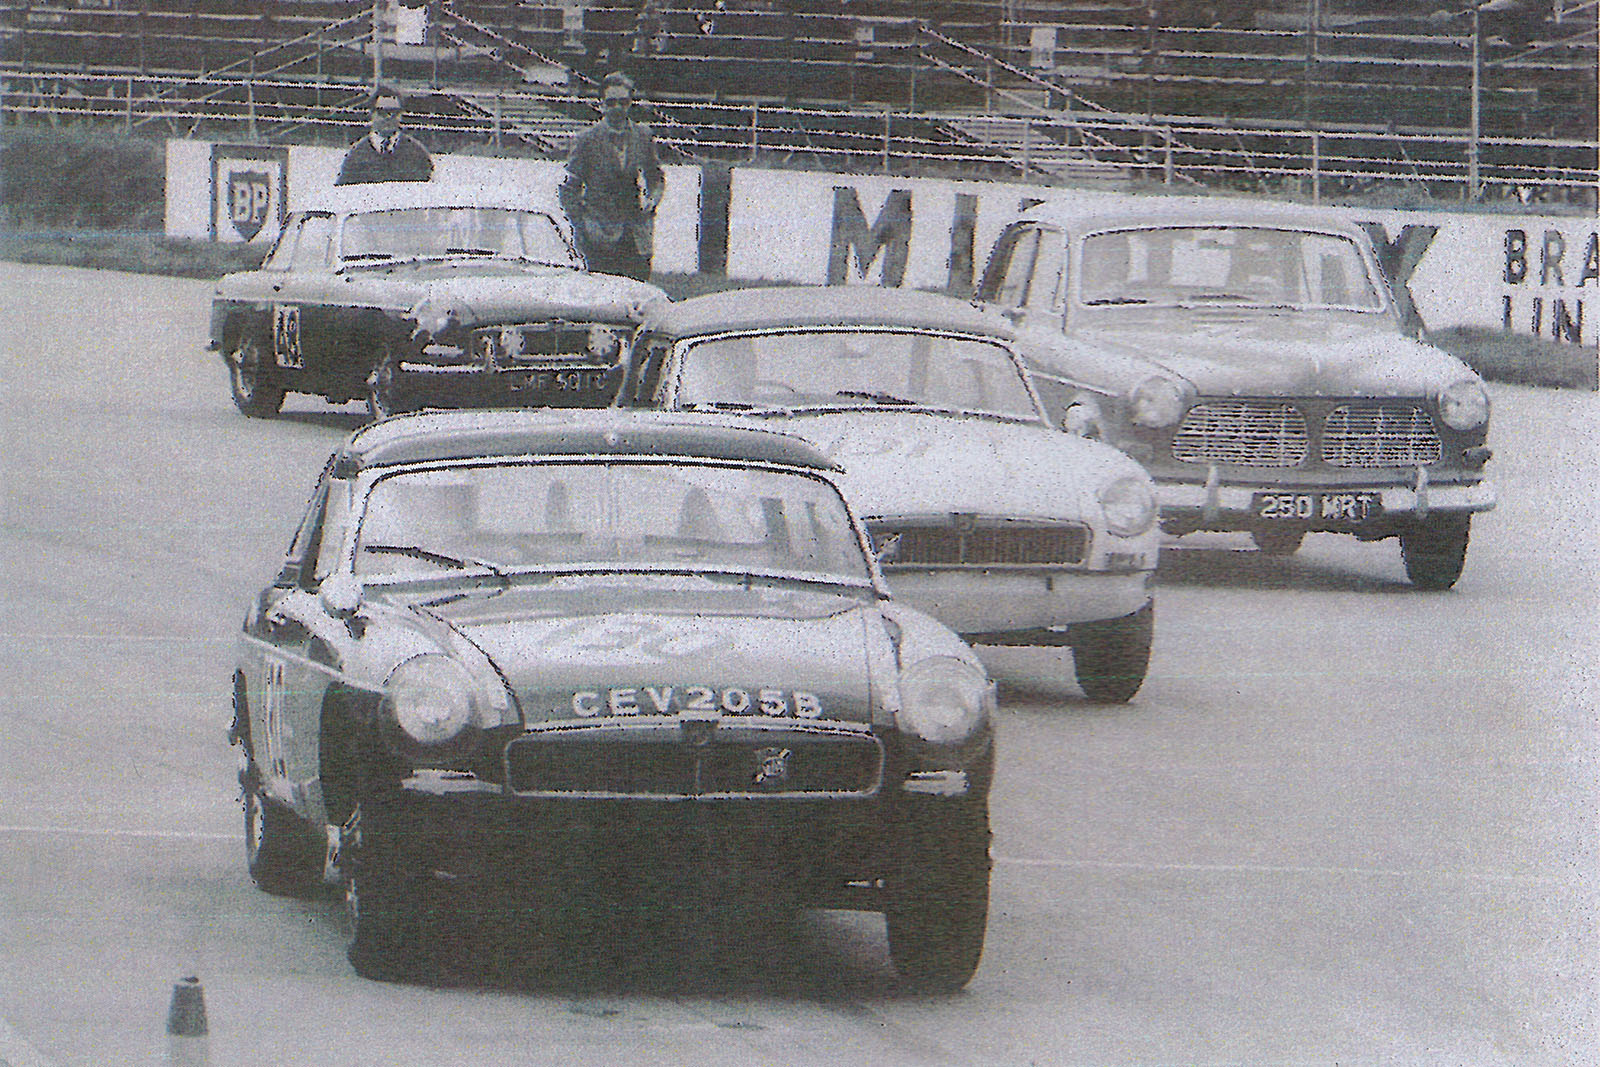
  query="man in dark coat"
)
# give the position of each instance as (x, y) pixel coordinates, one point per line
(613, 185)
(385, 154)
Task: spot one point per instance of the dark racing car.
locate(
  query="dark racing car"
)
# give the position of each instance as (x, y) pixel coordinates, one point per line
(422, 294)
(528, 660)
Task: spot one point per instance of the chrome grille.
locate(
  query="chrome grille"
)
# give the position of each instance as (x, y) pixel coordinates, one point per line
(1254, 433)
(1379, 435)
(661, 762)
(1009, 545)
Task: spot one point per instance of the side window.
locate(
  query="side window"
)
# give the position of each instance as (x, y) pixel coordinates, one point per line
(1006, 281)
(311, 250)
(278, 258)
(1044, 291)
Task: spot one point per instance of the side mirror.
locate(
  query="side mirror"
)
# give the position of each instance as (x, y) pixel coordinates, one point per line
(340, 595)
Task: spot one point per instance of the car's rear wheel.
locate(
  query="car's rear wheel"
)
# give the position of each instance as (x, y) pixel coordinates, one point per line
(938, 913)
(1112, 656)
(1435, 550)
(1278, 540)
(383, 386)
(252, 378)
(380, 898)
(283, 855)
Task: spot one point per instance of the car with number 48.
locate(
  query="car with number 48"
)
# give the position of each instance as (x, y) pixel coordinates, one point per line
(425, 294)
(540, 659)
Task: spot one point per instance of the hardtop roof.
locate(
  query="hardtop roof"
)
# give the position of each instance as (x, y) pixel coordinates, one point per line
(812, 306)
(453, 435)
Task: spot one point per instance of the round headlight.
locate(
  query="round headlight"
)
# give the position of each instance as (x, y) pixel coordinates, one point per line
(432, 316)
(1157, 402)
(1464, 405)
(944, 700)
(430, 697)
(604, 342)
(1130, 506)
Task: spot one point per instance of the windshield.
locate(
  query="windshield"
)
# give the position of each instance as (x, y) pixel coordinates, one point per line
(854, 368)
(578, 516)
(409, 233)
(1184, 266)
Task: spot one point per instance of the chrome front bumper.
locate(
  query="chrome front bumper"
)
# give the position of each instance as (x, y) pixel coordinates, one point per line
(993, 600)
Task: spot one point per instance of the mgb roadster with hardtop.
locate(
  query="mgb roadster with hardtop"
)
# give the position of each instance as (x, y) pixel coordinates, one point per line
(538, 661)
(982, 513)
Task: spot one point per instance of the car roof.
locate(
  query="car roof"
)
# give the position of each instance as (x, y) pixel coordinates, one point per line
(504, 433)
(381, 196)
(864, 306)
(1082, 214)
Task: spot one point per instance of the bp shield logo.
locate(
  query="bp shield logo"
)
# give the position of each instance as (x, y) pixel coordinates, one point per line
(249, 193)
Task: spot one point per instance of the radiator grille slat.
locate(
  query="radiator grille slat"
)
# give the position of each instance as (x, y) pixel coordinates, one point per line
(1254, 433)
(1017, 545)
(1379, 435)
(662, 764)
(1277, 433)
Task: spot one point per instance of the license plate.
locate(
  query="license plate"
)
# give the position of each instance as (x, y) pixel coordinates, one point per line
(1356, 506)
(556, 381)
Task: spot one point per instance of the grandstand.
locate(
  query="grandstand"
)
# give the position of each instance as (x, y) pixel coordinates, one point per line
(1315, 96)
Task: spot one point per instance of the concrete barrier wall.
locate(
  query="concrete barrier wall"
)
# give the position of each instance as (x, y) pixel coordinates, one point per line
(1528, 274)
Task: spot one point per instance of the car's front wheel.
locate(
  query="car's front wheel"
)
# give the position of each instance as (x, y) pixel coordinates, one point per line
(1435, 550)
(283, 855)
(938, 913)
(252, 378)
(379, 895)
(1112, 656)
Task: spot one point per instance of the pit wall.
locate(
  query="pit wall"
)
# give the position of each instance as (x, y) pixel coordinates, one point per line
(1528, 274)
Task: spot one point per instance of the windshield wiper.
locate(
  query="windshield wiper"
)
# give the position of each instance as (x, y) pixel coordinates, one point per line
(1103, 301)
(876, 398)
(1217, 298)
(352, 257)
(428, 554)
(471, 252)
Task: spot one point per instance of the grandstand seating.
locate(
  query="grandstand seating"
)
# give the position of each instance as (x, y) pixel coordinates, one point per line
(501, 67)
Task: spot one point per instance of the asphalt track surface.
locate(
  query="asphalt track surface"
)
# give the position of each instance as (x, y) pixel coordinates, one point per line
(1344, 822)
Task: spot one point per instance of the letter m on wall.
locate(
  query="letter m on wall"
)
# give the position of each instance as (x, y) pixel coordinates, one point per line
(889, 236)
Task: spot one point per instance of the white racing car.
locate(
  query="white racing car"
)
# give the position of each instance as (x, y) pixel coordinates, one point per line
(1004, 528)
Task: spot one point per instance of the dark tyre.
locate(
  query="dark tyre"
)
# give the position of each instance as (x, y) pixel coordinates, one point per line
(284, 856)
(1278, 540)
(383, 397)
(1111, 657)
(379, 899)
(252, 376)
(1435, 551)
(939, 909)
